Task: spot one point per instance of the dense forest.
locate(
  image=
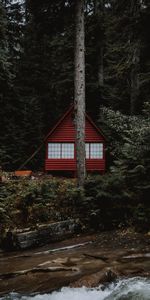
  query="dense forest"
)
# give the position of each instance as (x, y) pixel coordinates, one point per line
(37, 86)
(37, 69)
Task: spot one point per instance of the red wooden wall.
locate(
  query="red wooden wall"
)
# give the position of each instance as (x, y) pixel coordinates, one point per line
(64, 131)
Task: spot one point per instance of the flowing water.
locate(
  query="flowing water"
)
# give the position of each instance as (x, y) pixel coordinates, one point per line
(126, 289)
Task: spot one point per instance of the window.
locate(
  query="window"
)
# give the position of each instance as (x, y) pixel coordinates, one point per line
(94, 150)
(67, 150)
(60, 150)
(54, 150)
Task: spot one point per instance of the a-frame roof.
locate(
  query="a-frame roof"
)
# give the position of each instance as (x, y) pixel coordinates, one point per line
(71, 108)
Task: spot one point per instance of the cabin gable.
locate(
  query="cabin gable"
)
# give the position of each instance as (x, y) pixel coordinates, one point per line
(65, 130)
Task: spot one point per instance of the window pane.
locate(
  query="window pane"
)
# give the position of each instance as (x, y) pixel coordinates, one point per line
(67, 150)
(54, 150)
(96, 150)
(87, 150)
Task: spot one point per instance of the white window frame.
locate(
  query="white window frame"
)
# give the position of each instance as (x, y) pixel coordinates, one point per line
(87, 150)
(60, 150)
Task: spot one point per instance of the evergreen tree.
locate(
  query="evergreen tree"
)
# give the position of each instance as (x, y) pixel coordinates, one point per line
(94, 62)
(37, 65)
(145, 53)
(5, 73)
(7, 109)
(124, 55)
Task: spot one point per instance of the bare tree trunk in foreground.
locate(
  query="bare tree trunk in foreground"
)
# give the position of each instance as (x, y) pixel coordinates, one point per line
(79, 93)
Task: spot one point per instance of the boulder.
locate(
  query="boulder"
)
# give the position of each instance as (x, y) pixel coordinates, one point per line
(42, 235)
(94, 280)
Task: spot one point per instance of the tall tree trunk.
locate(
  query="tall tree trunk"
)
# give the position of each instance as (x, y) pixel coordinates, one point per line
(99, 9)
(79, 91)
(101, 66)
(134, 93)
(96, 6)
(135, 63)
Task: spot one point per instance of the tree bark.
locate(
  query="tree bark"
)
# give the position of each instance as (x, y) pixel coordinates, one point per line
(101, 66)
(99, 8)
(135, 63)
(79, 91)
(134, 94)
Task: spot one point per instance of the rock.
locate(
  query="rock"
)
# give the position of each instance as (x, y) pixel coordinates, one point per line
(41, 236)
(85, 260)
(95, 279)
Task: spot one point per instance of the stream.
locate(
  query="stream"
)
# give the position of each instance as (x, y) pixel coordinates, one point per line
(107, 266)
(127, 289)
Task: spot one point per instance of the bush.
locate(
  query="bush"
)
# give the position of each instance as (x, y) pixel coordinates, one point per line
(121, 196)
(28, 202)
(107, 201)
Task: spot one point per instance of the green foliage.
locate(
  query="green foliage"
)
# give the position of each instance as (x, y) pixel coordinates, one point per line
(141, 216)
(36, 67)
(8, 99)
(5, 74)
(122, 195)
(26, 202)
(36, 82)
(107, 200)
(128, 135)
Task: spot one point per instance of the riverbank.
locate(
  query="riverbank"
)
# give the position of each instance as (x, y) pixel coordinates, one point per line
(30, 204)
(82, 260)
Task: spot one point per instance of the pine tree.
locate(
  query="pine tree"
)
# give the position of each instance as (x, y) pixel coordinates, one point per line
(7, 109)
(5, 73)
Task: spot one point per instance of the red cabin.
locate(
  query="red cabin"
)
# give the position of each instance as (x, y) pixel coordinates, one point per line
(61, 149)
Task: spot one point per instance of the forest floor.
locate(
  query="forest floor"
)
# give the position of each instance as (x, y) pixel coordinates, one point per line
(87, 260)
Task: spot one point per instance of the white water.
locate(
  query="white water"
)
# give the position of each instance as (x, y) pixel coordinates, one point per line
(127, 289)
